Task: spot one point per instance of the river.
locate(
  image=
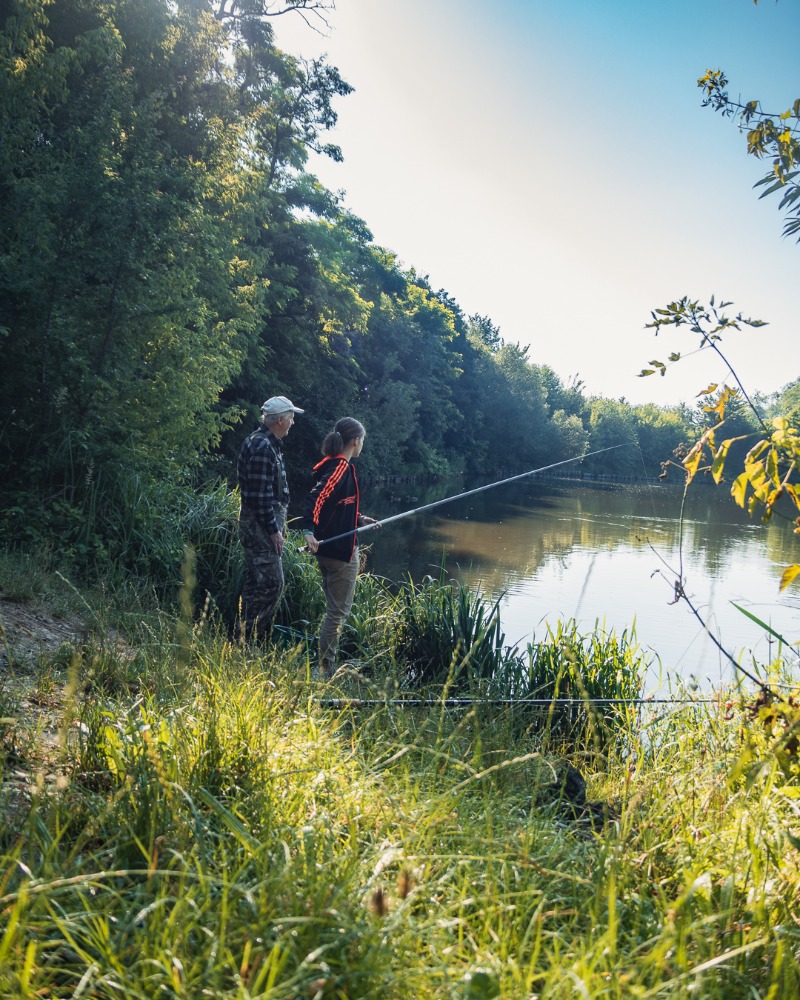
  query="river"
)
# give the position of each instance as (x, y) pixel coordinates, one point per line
(607, 556)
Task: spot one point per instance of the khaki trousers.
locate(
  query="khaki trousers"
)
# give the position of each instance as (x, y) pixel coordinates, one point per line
(339, 585)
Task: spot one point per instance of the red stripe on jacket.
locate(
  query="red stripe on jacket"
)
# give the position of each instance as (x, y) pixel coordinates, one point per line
(330, 486)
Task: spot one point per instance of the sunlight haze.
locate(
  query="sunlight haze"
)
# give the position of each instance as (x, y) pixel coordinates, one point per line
(549, 165)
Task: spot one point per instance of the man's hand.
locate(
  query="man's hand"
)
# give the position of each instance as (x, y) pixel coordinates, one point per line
(311, 543)
(363, 521)
(277, 542)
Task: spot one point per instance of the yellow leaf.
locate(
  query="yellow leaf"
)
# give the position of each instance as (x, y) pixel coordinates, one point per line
(739, 489)
(792, 492)
(692, 460)
(789, 575)
(773, 472)
(718, 465)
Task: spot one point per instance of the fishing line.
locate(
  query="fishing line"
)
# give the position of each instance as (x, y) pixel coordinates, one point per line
(466, 493)
(469, 702)
(646, 476)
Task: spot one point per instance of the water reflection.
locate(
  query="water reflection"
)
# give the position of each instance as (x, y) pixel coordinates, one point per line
(552, 549)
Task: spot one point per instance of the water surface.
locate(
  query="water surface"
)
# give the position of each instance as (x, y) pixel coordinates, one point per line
(552, 549)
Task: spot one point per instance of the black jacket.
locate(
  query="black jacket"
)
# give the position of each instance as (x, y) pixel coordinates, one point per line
(332, 507)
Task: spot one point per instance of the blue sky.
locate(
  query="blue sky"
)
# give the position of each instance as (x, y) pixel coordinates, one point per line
(547, 162)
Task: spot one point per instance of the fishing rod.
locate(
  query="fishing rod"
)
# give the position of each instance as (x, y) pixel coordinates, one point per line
(467, 493)
(513, 702)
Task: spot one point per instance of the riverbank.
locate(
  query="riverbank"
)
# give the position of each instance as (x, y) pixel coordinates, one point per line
(205, 823)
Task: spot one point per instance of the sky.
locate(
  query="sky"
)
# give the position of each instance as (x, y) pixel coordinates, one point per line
(549, 165)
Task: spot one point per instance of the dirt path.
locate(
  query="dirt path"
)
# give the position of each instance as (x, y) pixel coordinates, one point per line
(32, 687)
(28, 633)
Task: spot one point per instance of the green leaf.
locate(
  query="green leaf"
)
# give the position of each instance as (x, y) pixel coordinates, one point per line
(773, 187)
(761, 624)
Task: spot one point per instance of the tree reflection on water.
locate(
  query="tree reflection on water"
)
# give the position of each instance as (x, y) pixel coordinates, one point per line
(602, 554)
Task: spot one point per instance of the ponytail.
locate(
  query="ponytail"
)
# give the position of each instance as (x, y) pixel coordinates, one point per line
(346, 430)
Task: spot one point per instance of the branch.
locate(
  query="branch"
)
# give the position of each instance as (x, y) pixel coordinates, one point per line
(231, 10)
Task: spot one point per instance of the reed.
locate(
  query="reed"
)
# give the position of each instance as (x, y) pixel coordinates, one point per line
(447, 634)
(582, 668)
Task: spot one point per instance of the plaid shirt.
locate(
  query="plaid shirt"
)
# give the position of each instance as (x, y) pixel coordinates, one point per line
(262, 477)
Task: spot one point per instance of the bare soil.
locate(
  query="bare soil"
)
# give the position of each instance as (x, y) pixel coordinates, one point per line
(28, 633)
(32, 690)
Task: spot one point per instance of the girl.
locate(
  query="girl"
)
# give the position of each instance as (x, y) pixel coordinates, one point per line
(332, 509)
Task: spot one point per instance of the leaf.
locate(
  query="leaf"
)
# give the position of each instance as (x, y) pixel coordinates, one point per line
(718, 465)
(772, 468)
(709, 390)
(767, 628)
(692, 461)
(739, 489)
(789, 575)
(773, 187)
(791, 492)
(790, 197)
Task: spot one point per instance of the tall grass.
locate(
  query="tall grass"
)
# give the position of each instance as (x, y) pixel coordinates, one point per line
(229, 836)
(592, 681)
(132, 531)
(206, 824)
(446, 633)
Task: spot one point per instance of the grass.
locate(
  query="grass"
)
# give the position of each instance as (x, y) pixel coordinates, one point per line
(208, 827)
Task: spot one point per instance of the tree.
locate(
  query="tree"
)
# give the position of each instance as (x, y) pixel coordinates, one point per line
(770, 464)
(788, 403)
(775, 134)
(409, 343)
(484, 330)
(313, 12)
(127, 303)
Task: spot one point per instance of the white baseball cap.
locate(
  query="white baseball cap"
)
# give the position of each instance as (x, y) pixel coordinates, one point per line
(279, 404)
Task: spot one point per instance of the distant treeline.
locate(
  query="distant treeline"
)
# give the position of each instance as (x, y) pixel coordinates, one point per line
(167, 263)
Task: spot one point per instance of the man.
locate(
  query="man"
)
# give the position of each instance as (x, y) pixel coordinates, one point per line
(261, 473)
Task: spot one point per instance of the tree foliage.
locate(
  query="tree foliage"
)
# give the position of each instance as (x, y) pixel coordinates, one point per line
(771, 458)
(768, 134)
(167, 262)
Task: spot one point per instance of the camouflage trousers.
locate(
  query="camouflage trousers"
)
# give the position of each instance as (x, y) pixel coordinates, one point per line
(263, 577)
